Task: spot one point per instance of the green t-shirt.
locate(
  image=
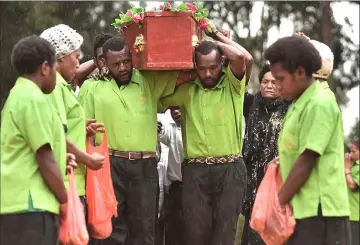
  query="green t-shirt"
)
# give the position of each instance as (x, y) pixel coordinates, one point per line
(314, 122)
(28, 121)
(73, 117)
(211, 118)
(129, 112)
(86, 87)
(354, 195)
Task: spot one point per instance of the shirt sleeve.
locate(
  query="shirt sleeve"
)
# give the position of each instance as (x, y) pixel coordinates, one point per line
(178, 98)
(86, 100)
(317, 125)
(237, 85)
(35, 123)
(355, 173)
(84, 89)
(162, 83)
(56, 99)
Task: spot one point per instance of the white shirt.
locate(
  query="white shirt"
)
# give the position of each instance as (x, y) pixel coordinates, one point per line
(170, 136)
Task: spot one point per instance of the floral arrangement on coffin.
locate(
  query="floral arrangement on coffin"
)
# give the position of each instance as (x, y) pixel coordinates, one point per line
(137, 15)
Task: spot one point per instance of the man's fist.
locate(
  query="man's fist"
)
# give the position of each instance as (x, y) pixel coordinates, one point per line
(175, 113)
(92, 127)
(70, 162)
(96, 161)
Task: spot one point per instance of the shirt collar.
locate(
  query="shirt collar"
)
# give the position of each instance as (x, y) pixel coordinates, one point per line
(60, 79)
(26, 82)
(134, 77)
(219, 85)
(308, 93)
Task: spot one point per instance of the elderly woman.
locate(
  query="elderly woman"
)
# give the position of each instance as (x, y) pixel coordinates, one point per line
(260, 143)
(67, 43)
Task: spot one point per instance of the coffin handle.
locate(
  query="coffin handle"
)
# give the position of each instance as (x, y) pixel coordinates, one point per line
(139, 44)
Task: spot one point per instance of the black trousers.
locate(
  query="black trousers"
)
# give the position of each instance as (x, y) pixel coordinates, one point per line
(136, 186)
(355, 232)
(174, 215)
(213, 196)
(40, 228)
(321, 230)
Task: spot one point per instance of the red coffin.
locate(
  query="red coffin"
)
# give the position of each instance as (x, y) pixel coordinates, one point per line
(164, 42)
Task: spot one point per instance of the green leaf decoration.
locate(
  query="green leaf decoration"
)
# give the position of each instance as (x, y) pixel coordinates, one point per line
(198, 15)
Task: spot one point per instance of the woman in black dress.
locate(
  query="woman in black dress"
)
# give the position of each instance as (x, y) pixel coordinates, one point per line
(263, 124)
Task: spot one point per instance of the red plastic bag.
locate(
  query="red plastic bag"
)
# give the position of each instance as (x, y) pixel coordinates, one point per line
(100, 196)
(72, 218)
(275, 224)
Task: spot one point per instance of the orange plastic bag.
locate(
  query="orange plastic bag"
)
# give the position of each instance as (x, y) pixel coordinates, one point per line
(72, 218)
(100, 196)
(275, 224)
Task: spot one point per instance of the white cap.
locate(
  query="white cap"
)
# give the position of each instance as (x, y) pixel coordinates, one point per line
(327, 59)
(64, 39)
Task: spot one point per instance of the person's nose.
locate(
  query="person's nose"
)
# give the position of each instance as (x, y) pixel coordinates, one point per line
(122, 67)
(208, 73)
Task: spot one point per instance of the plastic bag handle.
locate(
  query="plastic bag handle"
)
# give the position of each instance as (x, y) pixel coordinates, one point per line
(103, 142)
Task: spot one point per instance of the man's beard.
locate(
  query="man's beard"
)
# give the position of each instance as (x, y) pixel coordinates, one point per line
(121, 82)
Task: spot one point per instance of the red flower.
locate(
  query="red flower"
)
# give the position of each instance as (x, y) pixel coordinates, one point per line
(191, 7)
(137, 18)
(203, 25)
(168, 7)
(128, 13)
(165, 8)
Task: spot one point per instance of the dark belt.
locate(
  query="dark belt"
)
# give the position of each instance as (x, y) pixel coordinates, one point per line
(215, 160)
(132, 155)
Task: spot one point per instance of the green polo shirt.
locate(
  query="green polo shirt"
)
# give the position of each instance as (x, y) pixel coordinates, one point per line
(28, 121)
(354, 195)
(73, 117)
(314, 122)
(129, 112)
(211, 118)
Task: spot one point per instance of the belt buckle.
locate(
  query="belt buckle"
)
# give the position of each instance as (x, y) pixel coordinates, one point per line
(131, 159)
(209, 161)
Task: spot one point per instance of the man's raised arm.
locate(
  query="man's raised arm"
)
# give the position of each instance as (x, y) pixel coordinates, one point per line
(236, 57)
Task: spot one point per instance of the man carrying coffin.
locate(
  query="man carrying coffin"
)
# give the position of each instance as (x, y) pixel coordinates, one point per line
(127, 106)
(214, 174)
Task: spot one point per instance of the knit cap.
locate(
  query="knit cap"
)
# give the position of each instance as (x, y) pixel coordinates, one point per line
(64, 39)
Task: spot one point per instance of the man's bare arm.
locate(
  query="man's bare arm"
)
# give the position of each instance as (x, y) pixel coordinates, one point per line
(51, 173)
(186, 76)
(298, 175)
(218, 36)
(94, 162)
(84, 70)
(236, 57)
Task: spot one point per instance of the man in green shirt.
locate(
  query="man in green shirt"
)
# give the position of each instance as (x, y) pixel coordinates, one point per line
(311, 146)
(127, 105)
(352, 179)
(101, 70)
(214, 174)
(33, 151)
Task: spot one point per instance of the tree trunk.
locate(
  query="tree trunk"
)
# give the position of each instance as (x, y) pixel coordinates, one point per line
(326, 23)
(325, 30)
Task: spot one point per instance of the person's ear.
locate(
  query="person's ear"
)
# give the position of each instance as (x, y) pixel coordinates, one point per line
(45, 68)
(300, 73)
